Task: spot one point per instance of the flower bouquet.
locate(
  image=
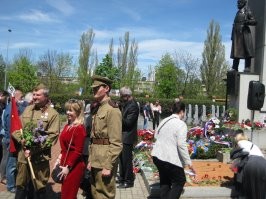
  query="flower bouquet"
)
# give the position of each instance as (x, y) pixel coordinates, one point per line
(35, 136)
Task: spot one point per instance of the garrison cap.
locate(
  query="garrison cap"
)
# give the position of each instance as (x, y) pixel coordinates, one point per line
(99, 80)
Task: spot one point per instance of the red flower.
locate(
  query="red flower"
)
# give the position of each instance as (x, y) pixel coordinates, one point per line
(136, 170)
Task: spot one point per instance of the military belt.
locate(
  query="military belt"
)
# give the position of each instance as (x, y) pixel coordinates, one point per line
(100, 141)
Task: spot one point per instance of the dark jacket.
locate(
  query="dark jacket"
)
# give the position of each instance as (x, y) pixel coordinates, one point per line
(243, 158)
(130, 114)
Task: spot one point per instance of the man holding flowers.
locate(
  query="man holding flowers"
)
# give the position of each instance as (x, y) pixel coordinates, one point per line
(40, 129)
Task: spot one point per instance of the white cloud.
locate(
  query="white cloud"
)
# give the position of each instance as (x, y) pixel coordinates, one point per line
(137, 33)
(62, 5)
(20, 45)
(154, 49)
(37, 16)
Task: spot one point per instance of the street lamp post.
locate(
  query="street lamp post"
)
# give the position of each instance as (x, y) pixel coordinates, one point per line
(6, 65)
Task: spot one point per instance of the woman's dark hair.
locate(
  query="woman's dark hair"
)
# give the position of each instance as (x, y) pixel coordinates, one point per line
(239, 131)
(178, 107)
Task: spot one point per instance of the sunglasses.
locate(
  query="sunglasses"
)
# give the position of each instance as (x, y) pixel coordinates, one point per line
(95, 89)
(76, 101)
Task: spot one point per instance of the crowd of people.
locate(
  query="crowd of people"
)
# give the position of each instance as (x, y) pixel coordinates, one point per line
(151, 112)
(98, 140)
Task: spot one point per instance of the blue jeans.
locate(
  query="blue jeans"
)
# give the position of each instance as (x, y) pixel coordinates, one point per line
(5, 145)
(11, 170)
(145, 125)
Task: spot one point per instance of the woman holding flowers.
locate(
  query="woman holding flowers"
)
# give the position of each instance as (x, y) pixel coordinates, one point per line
(71, 141)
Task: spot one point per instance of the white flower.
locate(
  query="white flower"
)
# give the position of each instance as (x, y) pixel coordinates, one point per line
(212, 138)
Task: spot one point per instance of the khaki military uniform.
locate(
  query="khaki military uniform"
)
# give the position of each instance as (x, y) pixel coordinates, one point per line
(39, 156)
(105, 148)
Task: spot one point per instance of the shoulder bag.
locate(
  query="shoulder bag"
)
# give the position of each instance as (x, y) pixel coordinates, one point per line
(55, 173)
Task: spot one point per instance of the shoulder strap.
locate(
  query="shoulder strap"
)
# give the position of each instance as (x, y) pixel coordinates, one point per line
(164, 124)
(251, 146)
(69, 145)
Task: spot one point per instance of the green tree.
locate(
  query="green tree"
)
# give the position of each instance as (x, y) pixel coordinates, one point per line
(188, 67)
(122, 57)
(127, 60)
(166, 78)
(111, 50)
(132, 73)
(213, 68)
(23, 74)
(52, 67)
(106, 69)
(2, 72)
(84, 70)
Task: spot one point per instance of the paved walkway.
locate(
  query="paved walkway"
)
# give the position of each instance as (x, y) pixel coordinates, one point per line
(139, 190)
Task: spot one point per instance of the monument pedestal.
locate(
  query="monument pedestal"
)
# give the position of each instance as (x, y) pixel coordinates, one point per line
(238, 99)
(259, 10)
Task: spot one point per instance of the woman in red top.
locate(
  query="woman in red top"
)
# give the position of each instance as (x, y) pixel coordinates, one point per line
(71, 141)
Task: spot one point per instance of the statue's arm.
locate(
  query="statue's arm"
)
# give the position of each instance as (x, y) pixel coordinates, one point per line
(250, 20)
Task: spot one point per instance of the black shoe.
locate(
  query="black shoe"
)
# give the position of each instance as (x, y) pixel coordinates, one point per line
(125, 185)
(119, 182)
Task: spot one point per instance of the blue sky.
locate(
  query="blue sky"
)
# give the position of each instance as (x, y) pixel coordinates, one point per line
(159, 26)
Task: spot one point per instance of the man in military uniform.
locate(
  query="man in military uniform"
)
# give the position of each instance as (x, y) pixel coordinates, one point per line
(106, 141)
(242, 45)
(39, 112)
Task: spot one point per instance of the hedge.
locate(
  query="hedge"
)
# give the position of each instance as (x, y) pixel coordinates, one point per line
(59, 101)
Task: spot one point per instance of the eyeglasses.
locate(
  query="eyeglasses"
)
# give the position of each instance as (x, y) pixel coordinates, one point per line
(73, 100)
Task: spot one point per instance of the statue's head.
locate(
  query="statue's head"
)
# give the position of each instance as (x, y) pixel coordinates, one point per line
(241, 3)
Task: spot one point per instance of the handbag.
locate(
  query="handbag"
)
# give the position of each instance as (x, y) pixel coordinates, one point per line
(55, 173)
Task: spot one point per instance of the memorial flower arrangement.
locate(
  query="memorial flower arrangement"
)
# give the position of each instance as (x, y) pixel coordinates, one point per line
(142, 158)
(35, 136)
(204, 142)
(145, 137)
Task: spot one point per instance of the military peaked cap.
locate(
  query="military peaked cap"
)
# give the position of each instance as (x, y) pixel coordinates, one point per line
(99, 80)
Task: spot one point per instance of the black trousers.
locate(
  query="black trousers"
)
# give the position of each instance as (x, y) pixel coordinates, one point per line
(172, 179)
(156, 119)
(254, 178)
(30, 193)
(126, 165)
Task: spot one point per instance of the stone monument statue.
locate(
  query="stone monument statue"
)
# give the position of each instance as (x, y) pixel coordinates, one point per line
(242, 44)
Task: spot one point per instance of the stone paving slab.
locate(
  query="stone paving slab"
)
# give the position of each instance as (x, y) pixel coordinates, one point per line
(139, 191)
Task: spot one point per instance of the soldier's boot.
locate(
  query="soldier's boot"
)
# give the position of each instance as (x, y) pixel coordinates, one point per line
(247, 65)
(41, 194)
(235, 64)
(20, 193)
